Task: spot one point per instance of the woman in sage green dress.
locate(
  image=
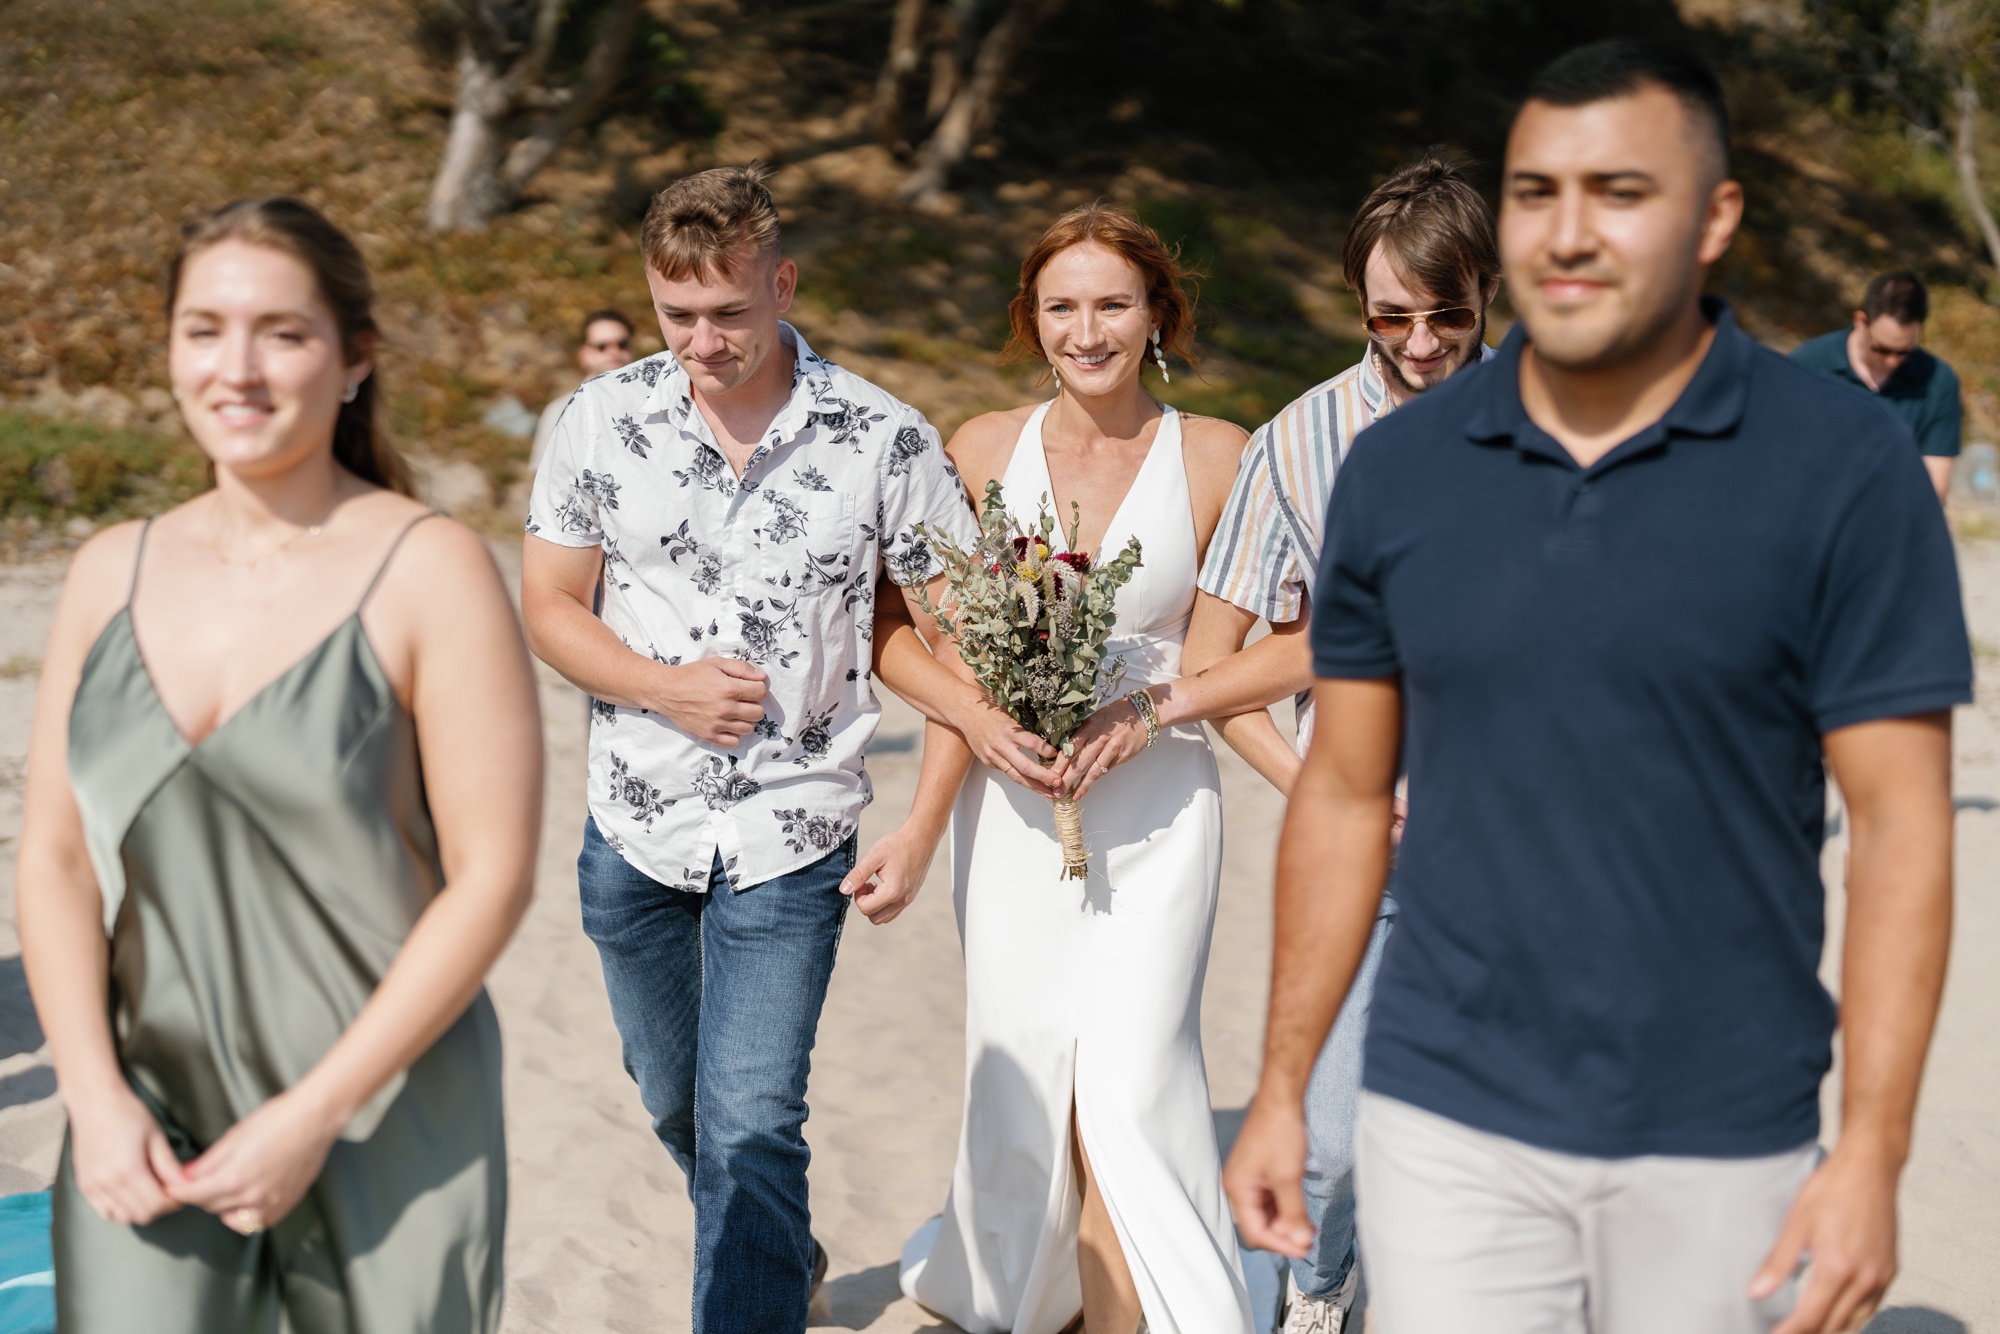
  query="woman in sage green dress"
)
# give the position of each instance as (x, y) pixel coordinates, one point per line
(282, 803)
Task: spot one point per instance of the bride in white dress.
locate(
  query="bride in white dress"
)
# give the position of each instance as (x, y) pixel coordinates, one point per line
(1088, 1178)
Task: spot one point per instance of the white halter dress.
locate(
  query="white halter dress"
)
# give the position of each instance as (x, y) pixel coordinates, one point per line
(1090, 993)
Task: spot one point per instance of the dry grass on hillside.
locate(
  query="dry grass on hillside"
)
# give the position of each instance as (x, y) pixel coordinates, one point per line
(123, 118)
(128, 116)
(118, 117)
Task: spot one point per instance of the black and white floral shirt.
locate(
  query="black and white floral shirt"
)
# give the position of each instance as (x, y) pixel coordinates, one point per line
(778, 567)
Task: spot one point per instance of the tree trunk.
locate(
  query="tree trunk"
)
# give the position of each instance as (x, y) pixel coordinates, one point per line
(1966, 157)
(466, 192)
(958, 35)
(600, 76)
(504, 52)
(904, 50)
(972, 109)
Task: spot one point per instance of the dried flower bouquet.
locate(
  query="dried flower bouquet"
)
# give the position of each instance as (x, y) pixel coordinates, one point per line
(1032, 623)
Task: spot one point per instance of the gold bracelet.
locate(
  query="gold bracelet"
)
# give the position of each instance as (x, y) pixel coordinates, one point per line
(1142, 704)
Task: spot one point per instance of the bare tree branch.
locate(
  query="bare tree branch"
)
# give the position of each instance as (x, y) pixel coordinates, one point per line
(957, 39)
(972, 110)
(505, 49)
(498, 29)
(600, 76)
(529, 69)
(1965, 156)
(904, 50)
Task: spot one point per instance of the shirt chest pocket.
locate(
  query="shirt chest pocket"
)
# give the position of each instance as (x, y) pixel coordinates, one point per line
(806, 545)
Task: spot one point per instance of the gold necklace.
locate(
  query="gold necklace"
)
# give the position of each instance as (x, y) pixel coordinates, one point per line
(310, 530)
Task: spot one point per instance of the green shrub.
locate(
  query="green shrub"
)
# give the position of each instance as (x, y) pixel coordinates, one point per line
(55, 470)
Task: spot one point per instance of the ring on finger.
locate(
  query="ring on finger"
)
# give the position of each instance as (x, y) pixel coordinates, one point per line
(245, 1220)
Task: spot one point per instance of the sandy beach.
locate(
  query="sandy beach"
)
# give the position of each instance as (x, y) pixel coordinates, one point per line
(601, 1232)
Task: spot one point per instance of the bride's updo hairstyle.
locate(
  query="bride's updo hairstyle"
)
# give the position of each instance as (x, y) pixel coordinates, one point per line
(292, 227)
(1119, 230)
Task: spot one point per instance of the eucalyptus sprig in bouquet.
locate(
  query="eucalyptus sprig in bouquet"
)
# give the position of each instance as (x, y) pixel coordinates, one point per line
(1032, 622)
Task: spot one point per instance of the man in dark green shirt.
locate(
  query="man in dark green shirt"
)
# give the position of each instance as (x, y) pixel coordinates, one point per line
(1879, 352)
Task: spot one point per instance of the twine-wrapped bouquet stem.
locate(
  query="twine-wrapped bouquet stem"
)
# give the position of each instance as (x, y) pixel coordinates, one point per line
(1069, 832)
(1032, 622)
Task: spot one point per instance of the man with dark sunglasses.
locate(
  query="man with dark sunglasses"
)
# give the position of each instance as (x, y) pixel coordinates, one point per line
(606, 345)
(1880, 352)
(1421, 256)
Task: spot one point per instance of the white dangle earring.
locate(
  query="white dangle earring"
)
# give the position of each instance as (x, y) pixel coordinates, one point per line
(353, 392)
(1161, 358)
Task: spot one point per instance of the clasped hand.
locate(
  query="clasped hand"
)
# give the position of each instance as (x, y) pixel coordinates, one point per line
(717, 700)
(1108, 738)
(251, 1178)
(1008, 748)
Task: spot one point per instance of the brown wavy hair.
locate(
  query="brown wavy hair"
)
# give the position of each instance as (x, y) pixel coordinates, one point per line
(292, 227)
(699, 223)
(1436, 227)
(1117, 229)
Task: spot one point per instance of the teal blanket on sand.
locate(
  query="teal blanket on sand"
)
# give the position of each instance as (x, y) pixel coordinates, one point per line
(27, 1273)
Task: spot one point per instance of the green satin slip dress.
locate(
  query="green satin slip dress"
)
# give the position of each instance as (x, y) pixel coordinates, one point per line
(256, 887)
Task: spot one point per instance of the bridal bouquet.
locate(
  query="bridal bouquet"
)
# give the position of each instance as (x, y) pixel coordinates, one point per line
(1031, 622)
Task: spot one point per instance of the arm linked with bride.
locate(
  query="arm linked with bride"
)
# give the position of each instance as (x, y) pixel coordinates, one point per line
(924, 669)
(960, 723)
(1225, 683)
(1222, 681)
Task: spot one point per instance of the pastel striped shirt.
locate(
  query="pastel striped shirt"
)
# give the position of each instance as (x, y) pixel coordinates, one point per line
(1265, 549)
(1265, 552)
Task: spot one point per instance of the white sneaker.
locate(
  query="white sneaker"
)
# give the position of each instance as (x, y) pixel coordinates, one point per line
(1315, 1315)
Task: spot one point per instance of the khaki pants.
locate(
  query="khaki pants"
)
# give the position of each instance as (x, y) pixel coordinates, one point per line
(1462, 1230)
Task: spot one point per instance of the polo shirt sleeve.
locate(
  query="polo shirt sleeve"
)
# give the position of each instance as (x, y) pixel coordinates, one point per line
(1944, 415)
(570, 487)
(1252, 560)
(920, 487)
(1351, 639)
(1889, 637)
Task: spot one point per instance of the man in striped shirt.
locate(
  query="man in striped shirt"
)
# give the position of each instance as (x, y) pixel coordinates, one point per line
(1422, 257)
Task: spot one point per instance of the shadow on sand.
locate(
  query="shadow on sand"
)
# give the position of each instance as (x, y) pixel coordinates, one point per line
(856, 1301)
(25, 1086)
(19, 1029)
(1914, 1320)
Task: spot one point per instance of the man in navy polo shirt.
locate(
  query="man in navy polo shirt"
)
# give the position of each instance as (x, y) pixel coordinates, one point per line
(1879, 352)
(1610, 598)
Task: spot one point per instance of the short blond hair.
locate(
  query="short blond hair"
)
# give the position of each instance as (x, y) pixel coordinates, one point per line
(700, 223)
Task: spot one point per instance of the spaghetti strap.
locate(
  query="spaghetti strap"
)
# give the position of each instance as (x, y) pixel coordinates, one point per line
(133, 592)
(388, 556)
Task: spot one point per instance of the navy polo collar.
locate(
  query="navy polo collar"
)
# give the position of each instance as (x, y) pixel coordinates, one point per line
(1711, 405)
(1903, 382)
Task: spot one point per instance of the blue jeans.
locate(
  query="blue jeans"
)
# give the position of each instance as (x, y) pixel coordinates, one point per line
(1333, 1098)
(717, 999)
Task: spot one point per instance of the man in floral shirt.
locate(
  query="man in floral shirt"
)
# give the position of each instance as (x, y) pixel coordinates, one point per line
(739, 498)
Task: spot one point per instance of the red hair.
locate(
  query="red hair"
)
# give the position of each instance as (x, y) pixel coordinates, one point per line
(1119, 230)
